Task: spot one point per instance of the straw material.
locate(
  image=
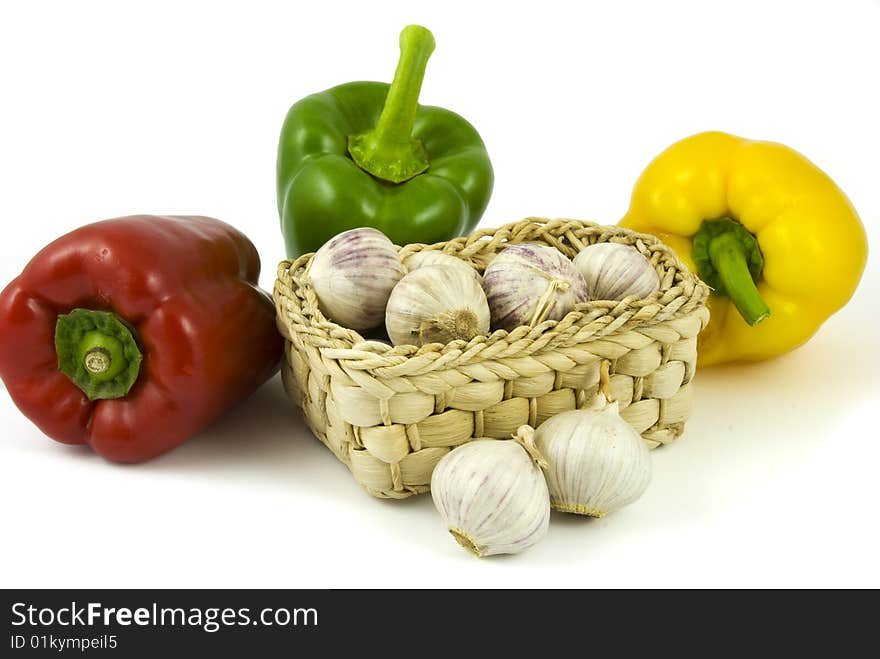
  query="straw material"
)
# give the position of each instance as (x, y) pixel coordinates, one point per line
(391, 413)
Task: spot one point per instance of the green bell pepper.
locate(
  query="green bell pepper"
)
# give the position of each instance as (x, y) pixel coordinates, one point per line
(367, 154)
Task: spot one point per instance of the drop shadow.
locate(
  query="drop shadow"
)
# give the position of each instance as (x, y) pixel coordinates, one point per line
(749, 421)
(263, 440)
(561, 519)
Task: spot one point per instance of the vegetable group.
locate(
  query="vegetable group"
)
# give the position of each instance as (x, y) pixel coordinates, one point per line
(495, 495)
(131, 335)
(357, 280)
(366, 154)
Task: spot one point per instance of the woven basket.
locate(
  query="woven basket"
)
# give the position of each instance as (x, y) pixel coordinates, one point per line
(391, 413)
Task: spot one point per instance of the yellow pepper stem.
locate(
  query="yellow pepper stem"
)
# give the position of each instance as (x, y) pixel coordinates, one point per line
(729, 260)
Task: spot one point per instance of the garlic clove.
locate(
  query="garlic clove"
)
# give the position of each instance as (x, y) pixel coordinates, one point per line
(433, 257)
(527, 284)
(353, 275)
(435, 304)
(492, 495)
(597, 463)
(614, 271)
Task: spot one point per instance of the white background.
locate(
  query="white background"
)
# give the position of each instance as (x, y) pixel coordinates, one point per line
(112, 108)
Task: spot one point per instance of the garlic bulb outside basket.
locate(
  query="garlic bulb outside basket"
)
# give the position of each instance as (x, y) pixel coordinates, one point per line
(614, 271)
(527, 284)
(433, 257)
(492, 495)
(436, 304)
(597, 463)
(353, 274)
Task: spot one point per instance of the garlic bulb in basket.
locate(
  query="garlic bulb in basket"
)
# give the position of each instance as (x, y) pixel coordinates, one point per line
(492, 495)
(353, 274)
(434, 304)
(614, 271)
(433, 257)
(596, 462)
(527, 284)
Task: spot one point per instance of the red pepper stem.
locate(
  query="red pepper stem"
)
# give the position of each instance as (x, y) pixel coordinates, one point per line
(389, 151)
(98, 351)
(97, 360)
(729, 258)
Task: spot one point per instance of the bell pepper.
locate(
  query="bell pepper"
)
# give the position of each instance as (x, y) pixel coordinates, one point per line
(367, 154)
(131, 335)
(779, 243)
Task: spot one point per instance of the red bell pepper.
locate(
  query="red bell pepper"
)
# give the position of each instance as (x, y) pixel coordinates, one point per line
(131, 335)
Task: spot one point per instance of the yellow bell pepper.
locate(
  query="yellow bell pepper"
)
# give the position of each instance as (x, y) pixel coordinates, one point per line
(779, 243)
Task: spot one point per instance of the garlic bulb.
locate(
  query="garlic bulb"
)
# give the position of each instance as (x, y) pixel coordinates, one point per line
(596, 462)
(433, 257)
(353, 274)
(492, 495)
(434, 304)
(528, 284)
(614, 271)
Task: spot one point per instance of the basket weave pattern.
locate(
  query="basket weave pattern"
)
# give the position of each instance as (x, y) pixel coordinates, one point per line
(391, 413)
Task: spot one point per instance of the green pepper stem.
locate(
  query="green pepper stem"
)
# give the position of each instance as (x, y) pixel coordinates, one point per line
(396, 121)
(389, 151)
(98, 351)
(729, 258)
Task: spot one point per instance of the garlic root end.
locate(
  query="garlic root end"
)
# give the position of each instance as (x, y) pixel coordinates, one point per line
(577, 509)
(459, 324)
(467, 542)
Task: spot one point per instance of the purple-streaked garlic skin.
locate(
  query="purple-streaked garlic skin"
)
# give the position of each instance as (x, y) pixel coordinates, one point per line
(596, 462)
(492, 496)
(353, 274)
(516, 280)
(614, 271)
